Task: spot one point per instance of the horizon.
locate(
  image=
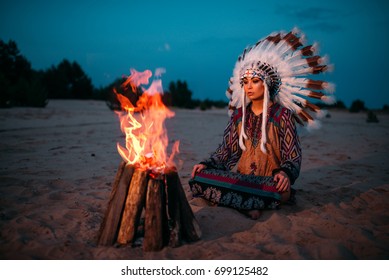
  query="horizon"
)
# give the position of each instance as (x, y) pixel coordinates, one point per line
(200, 45)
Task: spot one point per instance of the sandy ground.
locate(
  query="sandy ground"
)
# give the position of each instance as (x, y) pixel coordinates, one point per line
(58, 164)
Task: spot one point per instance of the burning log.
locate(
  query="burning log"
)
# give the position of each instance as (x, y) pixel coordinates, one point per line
(156, 227)
(168, 217)
(110, 225)
(133, 207)
(180, 211)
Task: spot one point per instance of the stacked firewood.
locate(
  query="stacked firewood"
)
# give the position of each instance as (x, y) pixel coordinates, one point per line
(148, 204)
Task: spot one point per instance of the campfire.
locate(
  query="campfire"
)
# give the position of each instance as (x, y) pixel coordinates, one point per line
(147, 199)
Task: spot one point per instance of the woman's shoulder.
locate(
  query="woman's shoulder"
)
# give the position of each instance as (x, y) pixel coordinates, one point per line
(277, 108)
(236, 116)
(279, 112)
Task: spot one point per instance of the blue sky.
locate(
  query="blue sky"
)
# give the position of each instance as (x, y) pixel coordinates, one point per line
(199, 41)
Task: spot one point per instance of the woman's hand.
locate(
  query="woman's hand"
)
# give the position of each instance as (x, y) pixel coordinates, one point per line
(197, 168)
(283, 182)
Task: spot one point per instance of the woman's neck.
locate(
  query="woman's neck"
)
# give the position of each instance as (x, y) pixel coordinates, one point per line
(257, 106)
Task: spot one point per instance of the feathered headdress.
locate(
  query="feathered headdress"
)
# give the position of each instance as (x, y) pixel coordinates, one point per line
(284, 63)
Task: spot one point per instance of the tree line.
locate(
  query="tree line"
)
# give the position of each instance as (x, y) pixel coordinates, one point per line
(21, 85)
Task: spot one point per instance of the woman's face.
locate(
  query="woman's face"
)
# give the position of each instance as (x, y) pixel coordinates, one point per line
(253, 87)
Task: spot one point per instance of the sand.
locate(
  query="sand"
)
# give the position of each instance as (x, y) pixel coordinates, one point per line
(58, 164)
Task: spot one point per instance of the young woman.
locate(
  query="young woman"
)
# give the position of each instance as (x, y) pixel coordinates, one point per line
(261, 137)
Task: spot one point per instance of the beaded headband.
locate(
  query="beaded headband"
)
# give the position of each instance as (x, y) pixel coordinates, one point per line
(266, 73)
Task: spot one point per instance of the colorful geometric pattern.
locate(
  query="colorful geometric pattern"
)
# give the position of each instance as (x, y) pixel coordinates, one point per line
(242, 192)
(290, 147)
(229, 152)
(249, 191)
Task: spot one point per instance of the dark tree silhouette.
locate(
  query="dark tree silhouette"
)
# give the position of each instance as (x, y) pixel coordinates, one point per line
(20, 85)
(181, 96)
(68, 81)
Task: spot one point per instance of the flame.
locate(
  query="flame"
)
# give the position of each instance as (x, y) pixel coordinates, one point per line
(144, 125)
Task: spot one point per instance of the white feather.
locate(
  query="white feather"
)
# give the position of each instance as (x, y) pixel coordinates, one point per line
(329, 87)
(298, 99)
(330, 68)
(328, 99)
(264, 118)
(315, 48)
(300, 72)
(287, 102)
(298, 63)
(296, 82)
(321, 114)
(242, 133)
(324, 60)
(293, 56)
(313, 124)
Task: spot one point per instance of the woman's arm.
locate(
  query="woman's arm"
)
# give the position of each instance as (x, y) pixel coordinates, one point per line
(291, 155)
(228, 153)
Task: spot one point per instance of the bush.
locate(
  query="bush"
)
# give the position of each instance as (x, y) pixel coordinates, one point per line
(371, 117)
(357, 106)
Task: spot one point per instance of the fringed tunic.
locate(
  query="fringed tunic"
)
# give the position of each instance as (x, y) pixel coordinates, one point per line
(252, 186)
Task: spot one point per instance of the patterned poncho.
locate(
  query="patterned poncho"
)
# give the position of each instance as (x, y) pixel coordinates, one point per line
(283, 145)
